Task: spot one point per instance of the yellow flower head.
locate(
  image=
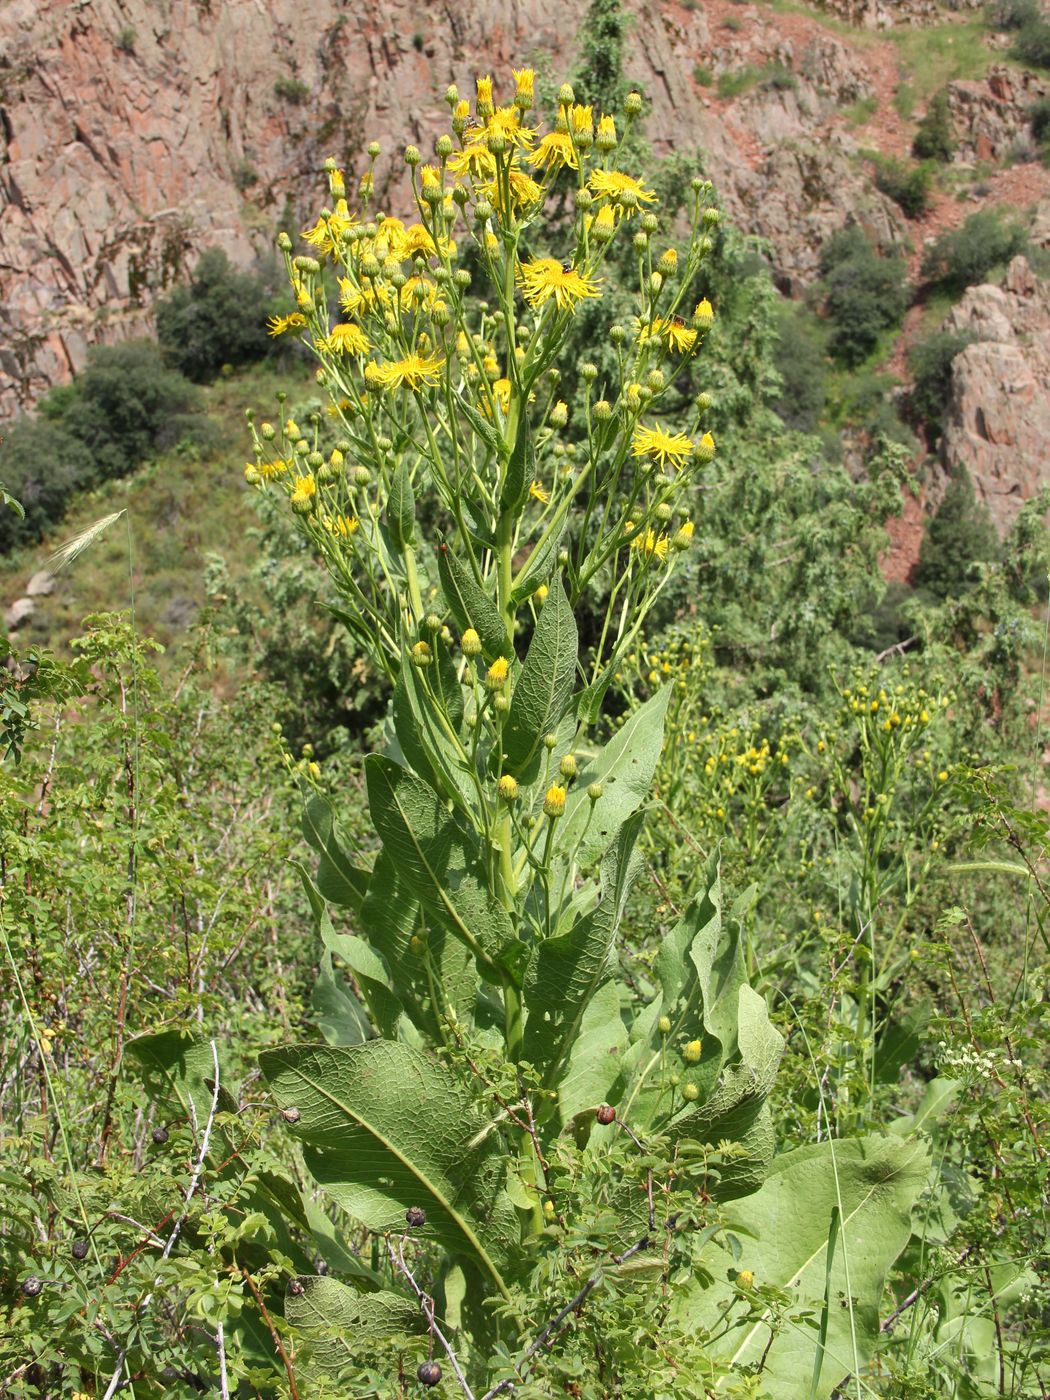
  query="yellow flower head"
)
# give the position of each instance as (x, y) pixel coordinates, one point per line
(471, 643)
(554, 151)
(607, 132)
(544, 278)
(277, 325)
(342, 525)
(303, 493)
(582, 118)
(508, 788)
(691, 1053)
(650, 544)
(554, 802)
(659, 446)
(623, 191)
(704, 313)
(474, 159)
(506, 122)
(496, 675)
(524, 93)
(347, 339)
(673, 331)
(537, 493)
(417, 371)
(484, 102)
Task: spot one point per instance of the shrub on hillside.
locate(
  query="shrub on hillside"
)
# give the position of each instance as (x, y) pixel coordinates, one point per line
(907, 184)
(1011, 14)
(935, 134)
(930, 362)
(41, 465)
(800, 362)
(964, 256)
(864, 293)
(1039, 120)
(960, 535)
(122, 403)
(218, 319)
(1032, 44)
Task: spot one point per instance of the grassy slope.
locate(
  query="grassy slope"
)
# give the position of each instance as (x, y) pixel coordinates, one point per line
(180, 510)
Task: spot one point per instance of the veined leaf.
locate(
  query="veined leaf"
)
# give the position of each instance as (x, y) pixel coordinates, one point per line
(180, 1070)
(385, 1128)
(338, 1323)
(537, 566)
(438, 856)
(596, 1063)
(544, 685)
(521, 468)
(426, 745)
(784, 1232)
(625, 768)
(339, 879)
(470, 606)
(337, 1013)
(401, 507)
(564, 973)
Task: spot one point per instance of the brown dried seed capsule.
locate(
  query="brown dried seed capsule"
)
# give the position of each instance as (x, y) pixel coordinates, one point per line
(79, 1249)
(295, 1288)
(32, 1286)
(429, 1373)
(291, 1115)
(606, 1114)
(160, 1136)
(416, 1216)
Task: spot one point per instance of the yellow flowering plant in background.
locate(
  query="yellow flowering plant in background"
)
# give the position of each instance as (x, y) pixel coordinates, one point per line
(506, 1121)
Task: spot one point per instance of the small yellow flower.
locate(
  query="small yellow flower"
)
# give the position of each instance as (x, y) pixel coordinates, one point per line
(554, 151)
(942, 776)
(508, 788)
(541, 593)
(422, 655)
(417, 371)
(537, 492)
(582, 119)
(623, 191)
(496, 675)
(471, 643)
(484, 86)
(673, 331)
(704, 313)
(304, 493)
(277, 325)
(651, 544)
(347, 339)
(691, 1053)
(659, 446)
(554, 802)
(684, 538)
(524, 79)
(745, 1278)
(544, 278)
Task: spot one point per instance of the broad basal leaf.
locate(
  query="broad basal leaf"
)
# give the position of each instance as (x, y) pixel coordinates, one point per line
(783, 1232)
(339, 879)
(338, 1324)
(384, 1128)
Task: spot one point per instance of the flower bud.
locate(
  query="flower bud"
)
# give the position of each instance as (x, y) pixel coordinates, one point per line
(588, 372)
(443, 146)
(595, 791)
(452, 95)
(602, 411)
(640, 242)
(251, 474)
(632, 104)
(559, 414)
(603, 228)
(668, 264)
(373, 150)
(508, 788)
(584, 198)
(471, 643)
(650, 223)
(548, 1210)
(501, 703)
(554, 802)
(422, 656)
(684, 537)
(413, 156)
(655, 380)
(566, 96)
(567, 767)
(496, 142)
(362, 476)
(268, 432)
(550, 741)
(541, 593)
(432, 622)
(691, 1052)
(690, 1093)
(664, 1025)
(656, 281)
(484, 96)
(606, 137)
(496, 675)
(704, 450)
(745, 1278)
(712, 217)
(617, 334)
(284, 243)
(703, 402)
(524, 93)
(461, 277)
(704, 313)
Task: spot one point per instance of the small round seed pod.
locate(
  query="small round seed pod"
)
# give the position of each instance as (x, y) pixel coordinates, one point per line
(295, 1288)
(416, 1217)
(290, 1115)
(606, 1114)
(429, 1373)
(79, 1249)
(32, 1286)
(160, 1136)
(690, 1093)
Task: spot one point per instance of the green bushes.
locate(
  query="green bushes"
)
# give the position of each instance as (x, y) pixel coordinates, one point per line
(218, 319)
(960, 535)
(1039, 120)
(800, 361)
(930, 362)
(965, 256)
(864, 294)
(124, 406)
(907, 184)
(1032, 44)
(935, 134)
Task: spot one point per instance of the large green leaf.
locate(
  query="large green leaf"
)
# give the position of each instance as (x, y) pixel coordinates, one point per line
(338, 1324)
(624, 768)
(401, 506)
(428, 741)
(339, 879)
(385, 1128)
(337, 1013)
(783, 1233)
(438, 857)
(564, 973)
(544, 686)
(470, 606)
(179, 1071)
(595, 1067)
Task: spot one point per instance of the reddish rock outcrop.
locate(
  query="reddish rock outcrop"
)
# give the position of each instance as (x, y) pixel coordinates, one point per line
(997, 422)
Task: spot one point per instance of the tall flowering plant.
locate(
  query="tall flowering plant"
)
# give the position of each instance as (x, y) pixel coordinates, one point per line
(508, 1123)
